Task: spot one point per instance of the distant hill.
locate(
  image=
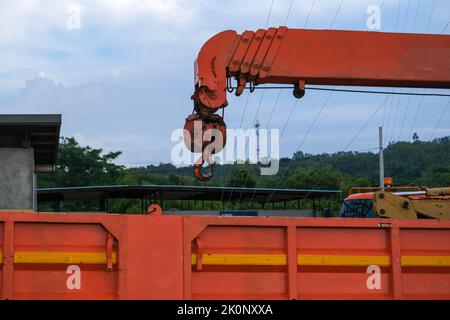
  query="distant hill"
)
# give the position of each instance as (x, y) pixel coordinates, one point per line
(409, 163)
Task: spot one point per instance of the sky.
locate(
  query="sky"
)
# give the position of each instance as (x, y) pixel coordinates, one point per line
(122, 74)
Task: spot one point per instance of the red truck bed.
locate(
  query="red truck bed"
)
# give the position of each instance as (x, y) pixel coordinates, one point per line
(110, 256)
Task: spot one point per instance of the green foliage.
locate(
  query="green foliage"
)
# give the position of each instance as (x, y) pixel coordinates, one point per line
(419, 162)
(409, 163)
(241, 176)
(306, 179)
(83, 166)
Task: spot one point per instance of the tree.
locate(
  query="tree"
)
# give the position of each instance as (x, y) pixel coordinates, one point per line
(83, 166)
(241, 177)
(298, 155)
(438, 177)
(325, 178)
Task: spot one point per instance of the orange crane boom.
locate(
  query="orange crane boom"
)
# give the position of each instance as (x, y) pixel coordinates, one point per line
(318, 57)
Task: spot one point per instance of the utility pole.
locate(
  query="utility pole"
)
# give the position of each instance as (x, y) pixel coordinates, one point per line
(380, 134)
(257, 126)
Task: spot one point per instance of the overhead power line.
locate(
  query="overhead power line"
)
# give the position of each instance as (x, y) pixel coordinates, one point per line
(309, 14)
(406, 17)
(289, 12)
(262, 96)
(356, 91)
(440, 119)
(303, 141)
(348, 145)
(415, 117)
(270, 13)
(417, 16)
(431, 15)
(336, 14)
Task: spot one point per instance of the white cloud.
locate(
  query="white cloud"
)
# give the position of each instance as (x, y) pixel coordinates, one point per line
(175, 11)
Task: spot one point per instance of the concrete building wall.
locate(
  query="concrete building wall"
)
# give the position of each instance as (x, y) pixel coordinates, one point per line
(17, 180)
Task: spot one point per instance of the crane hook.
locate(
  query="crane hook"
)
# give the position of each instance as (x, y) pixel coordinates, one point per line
(198, 167)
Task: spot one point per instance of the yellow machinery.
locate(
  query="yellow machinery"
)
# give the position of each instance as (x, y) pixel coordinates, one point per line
(431, 203)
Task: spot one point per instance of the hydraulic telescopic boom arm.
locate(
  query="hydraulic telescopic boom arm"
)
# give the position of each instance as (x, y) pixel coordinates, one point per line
(319, 57)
